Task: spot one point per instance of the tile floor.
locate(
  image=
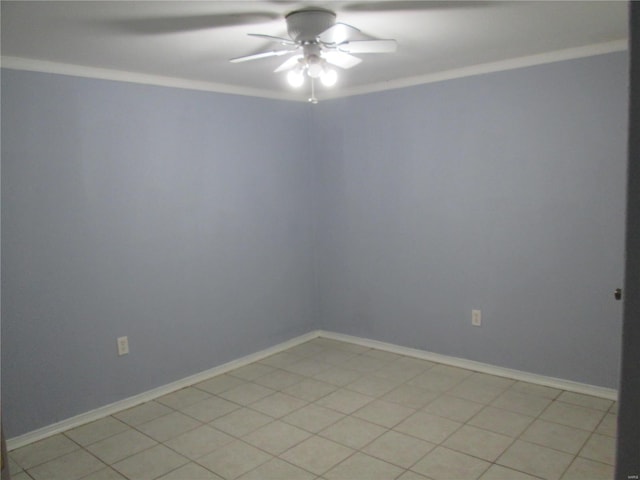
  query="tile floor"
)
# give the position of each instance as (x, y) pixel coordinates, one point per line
(332, 410)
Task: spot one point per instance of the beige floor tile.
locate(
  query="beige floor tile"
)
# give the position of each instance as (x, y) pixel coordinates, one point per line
(143, 413)
(523, 403)
(498, 472)
(535, 460)
(277, 469)
(608, 425)
(573, 415)
(614, 408)
(344, 401)
(307, 367)
(409, 475)
(479, 378)
(98, 430)
(478, 442)
(373, 386)
(313, 418)
(334, 356)
(398, 448)
(384, 413)
(183, 398)
(234, 459)
(339, 376)
(278, 404)
(120, 446)
(353, 432)
(583, 469)
(190, 471)
(252, 371)
(363, 466)
(412, 362)
(71, 466)
(210, 409)
(220, 383)
(553, 435)
(454, 408)
(585, 401)
(168, 426)
(281, 359)
(350, 347)
(241, 422)
(317, 455)
(476, 392)
(13, 466)
(276, 437)
(445, 464)
(382, 355)
(501, 421)
(600, 448)
(364, 364)
(410, 396)
(104, 474)
(428, 427)
(42, 451)
(22, 476)
(398, 372)
(533, 389)
(199, 442)
(310, 389)
(306, 349)
(279, 379)
(247, 393)
(437, 380)
(151, 463)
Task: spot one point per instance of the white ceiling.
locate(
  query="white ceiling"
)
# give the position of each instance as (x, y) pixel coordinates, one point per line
(189, 43)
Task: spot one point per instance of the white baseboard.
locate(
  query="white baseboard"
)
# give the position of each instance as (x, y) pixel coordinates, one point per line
(120, 405)
(602, 392)
(143, 397)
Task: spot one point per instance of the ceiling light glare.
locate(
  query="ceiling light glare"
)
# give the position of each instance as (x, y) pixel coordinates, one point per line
(295, 78)
(329, 78)
(315, 68)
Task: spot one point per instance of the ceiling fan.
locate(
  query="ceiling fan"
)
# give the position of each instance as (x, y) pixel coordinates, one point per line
(316, 43)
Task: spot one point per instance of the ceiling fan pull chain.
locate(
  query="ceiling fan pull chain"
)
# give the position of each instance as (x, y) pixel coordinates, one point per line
(313, 98)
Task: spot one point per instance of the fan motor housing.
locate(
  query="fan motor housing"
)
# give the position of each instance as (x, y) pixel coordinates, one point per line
(306, 24)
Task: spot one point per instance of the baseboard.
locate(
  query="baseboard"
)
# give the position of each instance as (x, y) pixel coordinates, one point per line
(602, 392)
(120, 405)
(149, 395)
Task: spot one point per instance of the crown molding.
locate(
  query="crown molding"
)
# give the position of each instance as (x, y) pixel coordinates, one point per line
(483, 68)
(44, 66)
(18, 63)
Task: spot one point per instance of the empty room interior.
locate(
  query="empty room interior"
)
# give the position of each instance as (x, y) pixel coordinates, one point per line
(208, 273)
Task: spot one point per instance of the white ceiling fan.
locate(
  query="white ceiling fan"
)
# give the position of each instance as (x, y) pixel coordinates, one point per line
(316, 42)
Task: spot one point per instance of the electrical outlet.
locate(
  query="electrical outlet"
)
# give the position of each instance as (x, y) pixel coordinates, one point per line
(123, 345)
(476, 318)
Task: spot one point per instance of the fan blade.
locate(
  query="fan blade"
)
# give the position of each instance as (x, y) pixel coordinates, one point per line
(413, 5)
(288, 64)
(256, 56)
(341, 59)
(368, 46)
(283, 41)
(177, 24)
(337, 33)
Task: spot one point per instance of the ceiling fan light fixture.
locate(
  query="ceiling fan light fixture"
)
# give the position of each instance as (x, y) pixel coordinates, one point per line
(315, 66)
(329, 77)
(295, 78)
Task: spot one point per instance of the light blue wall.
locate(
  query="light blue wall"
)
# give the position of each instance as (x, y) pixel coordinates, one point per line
(206, 227)
(181, 219)
(501, 192)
